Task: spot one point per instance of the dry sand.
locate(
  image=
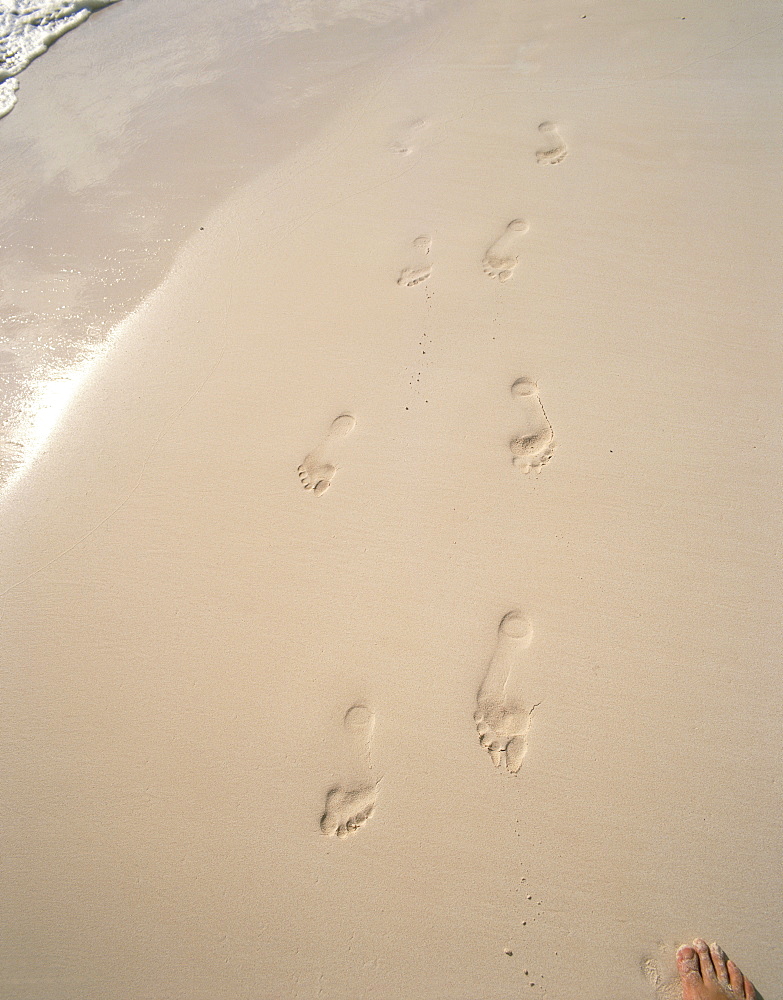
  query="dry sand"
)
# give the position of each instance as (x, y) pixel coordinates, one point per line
(185, 629)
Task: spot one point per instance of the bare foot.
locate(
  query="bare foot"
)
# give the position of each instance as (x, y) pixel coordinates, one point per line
(707, 974)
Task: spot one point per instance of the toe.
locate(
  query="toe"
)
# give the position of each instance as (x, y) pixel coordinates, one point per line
(342, 831)
(515, 751)
(736, 979)
(750, 990)
(688, 962)
(321, 487)
(705, 959)
(496, 756)
(487, 739)
(719, 963)
(328, 825)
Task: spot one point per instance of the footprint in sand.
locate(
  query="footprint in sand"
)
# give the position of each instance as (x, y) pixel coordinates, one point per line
(501, 721)
(318, 469)
(534, 447)
(416, 274)
(348, 807)
(661, 974)
(555, 150)
(406, 145)
(503, 256)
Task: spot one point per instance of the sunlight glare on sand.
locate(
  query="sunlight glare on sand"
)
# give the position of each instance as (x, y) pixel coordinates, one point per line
(49, 399)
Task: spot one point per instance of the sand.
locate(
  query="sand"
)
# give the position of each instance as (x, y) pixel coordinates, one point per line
(210, 670)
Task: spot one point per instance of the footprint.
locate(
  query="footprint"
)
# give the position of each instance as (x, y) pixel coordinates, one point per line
(536, 445)
(405, 146)
(502, 257)
(347, 810)
(318, 469)
(556, 150)
(348, 807)
(502, 722)
(411, 276)
(661, 973)
(415, 275)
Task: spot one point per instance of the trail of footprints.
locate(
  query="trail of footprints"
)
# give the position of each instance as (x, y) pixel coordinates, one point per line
(502, 720)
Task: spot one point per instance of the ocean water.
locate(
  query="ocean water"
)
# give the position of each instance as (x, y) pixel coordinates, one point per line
(125, 139)
(27, 29)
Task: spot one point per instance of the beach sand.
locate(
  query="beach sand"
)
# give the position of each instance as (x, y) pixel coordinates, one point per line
(185, 629)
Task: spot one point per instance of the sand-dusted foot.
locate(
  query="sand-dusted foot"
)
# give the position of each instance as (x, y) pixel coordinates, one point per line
(501, 721)
(555, 150)
(534, 447)
(707, 974)
(503, 256)
(318, 469)
(347, 810)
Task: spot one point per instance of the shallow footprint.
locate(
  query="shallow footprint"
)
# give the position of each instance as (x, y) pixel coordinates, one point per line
(348, 807)
(503, 256)
(660, 972)
(556, 150)
(411, 276)
(416, 274)
(317, 470)
(503, 723)
(534, 447)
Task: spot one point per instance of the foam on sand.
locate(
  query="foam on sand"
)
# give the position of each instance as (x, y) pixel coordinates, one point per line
(28, 29)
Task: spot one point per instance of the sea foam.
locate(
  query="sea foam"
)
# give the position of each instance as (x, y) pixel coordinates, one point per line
(27, 29)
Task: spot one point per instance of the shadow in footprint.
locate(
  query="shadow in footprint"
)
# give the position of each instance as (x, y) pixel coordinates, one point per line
(556, 150)
(502, 722)
(535, 445)
(502, 257)
(317, 470)
(349, 806)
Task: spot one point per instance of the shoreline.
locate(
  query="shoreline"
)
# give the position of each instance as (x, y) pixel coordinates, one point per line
(188, 631)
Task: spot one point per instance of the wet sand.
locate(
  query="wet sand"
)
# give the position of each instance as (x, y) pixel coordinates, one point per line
(186, 629)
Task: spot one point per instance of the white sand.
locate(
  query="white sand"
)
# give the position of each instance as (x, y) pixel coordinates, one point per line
(184, 627)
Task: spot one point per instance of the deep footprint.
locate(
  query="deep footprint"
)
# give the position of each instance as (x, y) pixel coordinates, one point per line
(348, 807)
(317, 470)
(347, 810)
(534, 447)
(556, 150)
(503, 256)
(503, 723)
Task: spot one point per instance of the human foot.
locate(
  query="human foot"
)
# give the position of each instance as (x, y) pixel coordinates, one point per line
(707, 974)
